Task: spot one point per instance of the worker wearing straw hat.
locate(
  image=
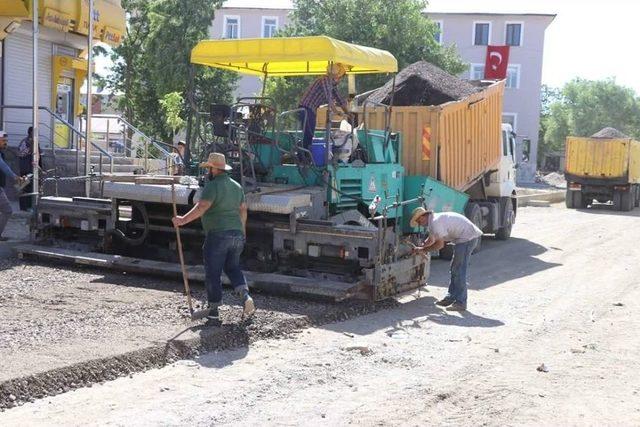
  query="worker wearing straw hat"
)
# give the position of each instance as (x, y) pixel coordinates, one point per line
(449, 227)
(223, 212)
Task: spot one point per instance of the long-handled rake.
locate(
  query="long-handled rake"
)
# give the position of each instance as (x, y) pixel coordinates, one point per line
(199, 314)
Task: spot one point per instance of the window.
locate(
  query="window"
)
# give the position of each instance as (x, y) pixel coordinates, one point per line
(477, 72)
(513, 34)
(481, 33)
(438, 34)
(510, 119)
(513, 77)
(231, 27)
(269, 26)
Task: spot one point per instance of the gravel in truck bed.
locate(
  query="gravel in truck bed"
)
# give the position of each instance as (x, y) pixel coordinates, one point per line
(422, 83)
(64, 327)
(609, 133)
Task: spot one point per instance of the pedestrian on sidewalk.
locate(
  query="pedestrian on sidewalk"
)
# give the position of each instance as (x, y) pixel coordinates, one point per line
(449, 227)
(6, 176)
(223, 212)
(25, 162)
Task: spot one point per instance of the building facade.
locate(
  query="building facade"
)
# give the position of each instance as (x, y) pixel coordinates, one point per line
(470, 32)
(62, 66)
(524, 33)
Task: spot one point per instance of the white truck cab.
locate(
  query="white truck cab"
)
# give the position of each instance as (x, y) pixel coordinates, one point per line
(503, 182)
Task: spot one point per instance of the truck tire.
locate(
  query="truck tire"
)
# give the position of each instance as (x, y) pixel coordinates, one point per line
(579, 201)
(623, 201)
(568, 199)
(475, 216)
(505, 232)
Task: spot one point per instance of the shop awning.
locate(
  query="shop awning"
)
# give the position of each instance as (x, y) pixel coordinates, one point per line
(291, 56)
(14, 8)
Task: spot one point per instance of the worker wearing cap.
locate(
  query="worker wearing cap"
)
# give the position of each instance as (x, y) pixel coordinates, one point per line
(322, 90)
(223, 212)
(449, 227)
(5, 174)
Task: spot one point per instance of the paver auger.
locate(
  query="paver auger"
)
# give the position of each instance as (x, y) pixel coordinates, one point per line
(328, 222)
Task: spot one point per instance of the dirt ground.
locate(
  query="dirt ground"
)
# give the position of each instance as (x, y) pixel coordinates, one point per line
(550, 338)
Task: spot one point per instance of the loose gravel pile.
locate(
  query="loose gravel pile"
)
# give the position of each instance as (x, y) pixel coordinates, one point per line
(67, 327)
(609, 133)
(422, 83)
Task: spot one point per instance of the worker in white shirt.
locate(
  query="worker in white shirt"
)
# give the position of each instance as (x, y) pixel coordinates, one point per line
(455, 228)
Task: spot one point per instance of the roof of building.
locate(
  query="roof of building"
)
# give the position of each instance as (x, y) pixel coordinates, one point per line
(259, 4)
(467, 7)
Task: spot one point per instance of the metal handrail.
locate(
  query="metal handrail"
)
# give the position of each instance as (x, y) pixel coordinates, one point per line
(70, 126)
(157, 144)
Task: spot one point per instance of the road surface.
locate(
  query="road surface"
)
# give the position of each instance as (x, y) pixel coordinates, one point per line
(550, 338)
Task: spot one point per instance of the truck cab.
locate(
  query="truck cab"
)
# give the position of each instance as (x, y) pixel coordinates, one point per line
(503, 181)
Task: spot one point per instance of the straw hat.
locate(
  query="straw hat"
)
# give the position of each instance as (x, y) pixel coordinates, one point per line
(336, 69)
(416, 214)
(216, 161)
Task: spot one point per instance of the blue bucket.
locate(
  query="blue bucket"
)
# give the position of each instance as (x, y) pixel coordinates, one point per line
(317, 151)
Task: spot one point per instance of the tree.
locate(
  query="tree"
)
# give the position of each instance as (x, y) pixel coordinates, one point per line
(154, 60)
(171, 104)
(398, 26)
(583, 107)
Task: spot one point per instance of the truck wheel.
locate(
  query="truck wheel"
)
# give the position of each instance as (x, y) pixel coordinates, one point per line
(568, 199)
(622, 201)
(475, 216)
(505, 232)
(579, 200)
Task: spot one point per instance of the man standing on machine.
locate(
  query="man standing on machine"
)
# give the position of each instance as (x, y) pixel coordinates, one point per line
(319, 93)
(223, 213)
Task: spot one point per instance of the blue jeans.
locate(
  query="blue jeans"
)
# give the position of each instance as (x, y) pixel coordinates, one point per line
(459, 266)
(221, 252)
(309, 126)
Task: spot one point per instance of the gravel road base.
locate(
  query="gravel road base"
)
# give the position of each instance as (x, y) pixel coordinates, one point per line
(64, 327)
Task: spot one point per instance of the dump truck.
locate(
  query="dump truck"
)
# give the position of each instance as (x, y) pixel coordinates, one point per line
(463, 144)
(603, 170)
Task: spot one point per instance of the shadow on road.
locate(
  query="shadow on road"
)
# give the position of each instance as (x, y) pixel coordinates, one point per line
(404, 317)
(605, 209)
(496, 263)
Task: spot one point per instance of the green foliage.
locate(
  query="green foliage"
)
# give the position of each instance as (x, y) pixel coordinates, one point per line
(171, 104)
(398, 26)
(153, 61)
(583, 107)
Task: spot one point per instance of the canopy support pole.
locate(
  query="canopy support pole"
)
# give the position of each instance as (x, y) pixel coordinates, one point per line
(87, 138)
(35, 161)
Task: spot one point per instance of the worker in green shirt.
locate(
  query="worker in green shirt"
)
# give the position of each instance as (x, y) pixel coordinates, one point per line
(223, 212)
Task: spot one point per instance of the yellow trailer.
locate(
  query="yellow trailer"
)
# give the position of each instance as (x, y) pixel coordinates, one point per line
(602, 169)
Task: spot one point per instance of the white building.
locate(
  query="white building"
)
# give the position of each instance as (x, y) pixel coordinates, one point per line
(471, 30)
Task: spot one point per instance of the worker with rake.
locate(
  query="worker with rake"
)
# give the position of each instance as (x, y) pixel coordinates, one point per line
(449, 227)
(223, 212)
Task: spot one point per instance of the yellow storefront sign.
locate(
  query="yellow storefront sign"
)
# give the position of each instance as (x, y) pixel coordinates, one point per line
(56, 20)
(112, 36)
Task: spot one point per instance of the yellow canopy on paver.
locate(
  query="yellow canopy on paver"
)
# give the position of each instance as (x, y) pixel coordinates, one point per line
(291, 56)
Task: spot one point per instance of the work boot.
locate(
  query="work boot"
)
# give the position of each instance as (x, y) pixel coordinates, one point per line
(213, 318)
(446, 301)
(249, 307)
(457, 306)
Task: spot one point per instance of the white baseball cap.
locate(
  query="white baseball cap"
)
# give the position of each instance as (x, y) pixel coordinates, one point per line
(3, 134)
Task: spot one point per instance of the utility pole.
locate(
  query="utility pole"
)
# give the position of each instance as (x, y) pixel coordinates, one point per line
(36, 147)
(87, 140)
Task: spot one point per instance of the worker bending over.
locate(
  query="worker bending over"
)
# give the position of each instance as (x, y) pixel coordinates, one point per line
(449, 227)
(322, 90)
(223, 213)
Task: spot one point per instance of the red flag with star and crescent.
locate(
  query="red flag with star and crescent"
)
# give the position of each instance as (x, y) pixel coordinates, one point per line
(495, 67)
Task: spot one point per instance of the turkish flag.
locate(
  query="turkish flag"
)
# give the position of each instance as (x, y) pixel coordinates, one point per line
(495, 67)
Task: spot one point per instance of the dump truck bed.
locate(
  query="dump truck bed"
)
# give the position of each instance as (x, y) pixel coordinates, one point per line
(615, 160)
(465, 133)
